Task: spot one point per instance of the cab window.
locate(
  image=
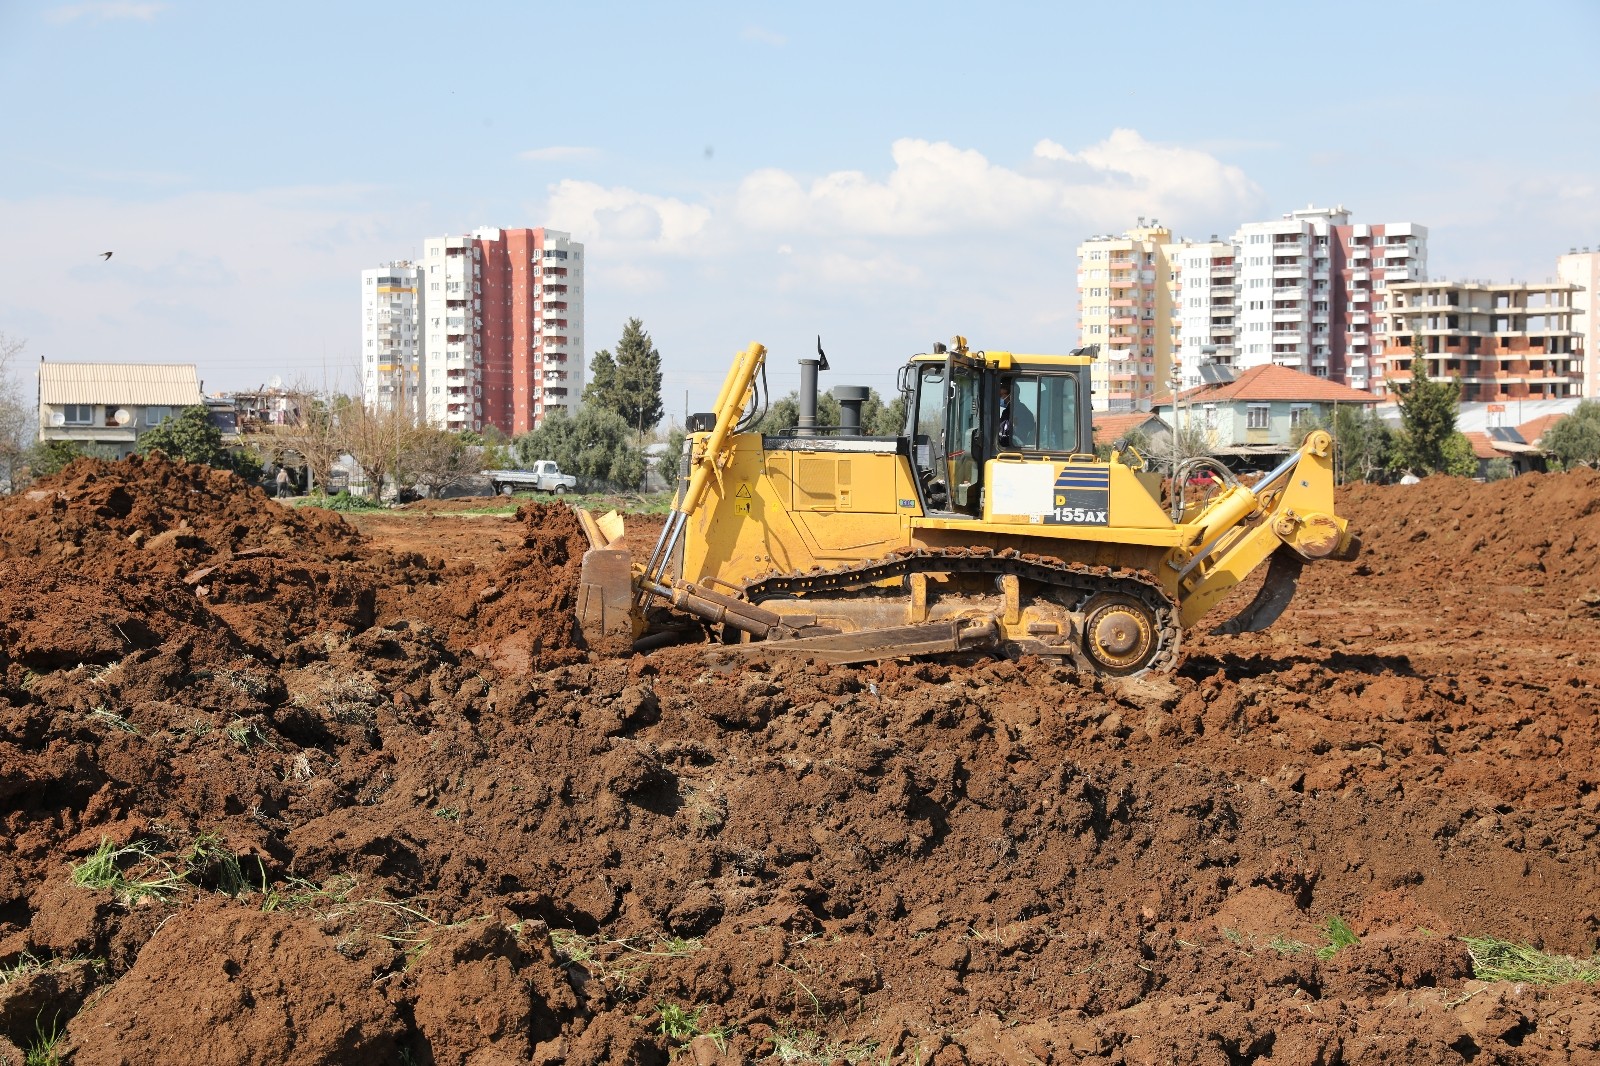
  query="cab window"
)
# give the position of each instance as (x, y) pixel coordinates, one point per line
(1044, 413)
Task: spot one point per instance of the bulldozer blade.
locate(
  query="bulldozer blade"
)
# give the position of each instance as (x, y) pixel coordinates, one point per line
(1277, 589)
(605, 599)
(928, 638)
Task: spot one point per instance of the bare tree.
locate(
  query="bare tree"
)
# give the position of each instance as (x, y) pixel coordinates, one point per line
(18, 426)
(435, 459)
(375, 438)
(313, 432)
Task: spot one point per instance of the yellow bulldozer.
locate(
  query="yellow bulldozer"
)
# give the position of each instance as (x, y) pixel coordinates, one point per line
(986, 522)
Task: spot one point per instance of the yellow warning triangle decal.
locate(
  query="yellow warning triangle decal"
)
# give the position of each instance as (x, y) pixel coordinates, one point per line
(743, 493)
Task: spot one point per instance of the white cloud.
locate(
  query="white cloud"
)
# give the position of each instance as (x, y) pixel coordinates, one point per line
(936, 188)
(557, 153)
(764, 36)
(623, 216)
(106, 11)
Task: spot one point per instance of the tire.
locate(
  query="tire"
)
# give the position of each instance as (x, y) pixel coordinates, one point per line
(505, 490)
(560, 490)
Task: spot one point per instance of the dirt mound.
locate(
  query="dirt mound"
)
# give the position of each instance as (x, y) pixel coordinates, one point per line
(438, 832)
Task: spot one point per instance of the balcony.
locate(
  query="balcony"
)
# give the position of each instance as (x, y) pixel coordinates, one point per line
(1124, 320)
(1360, 252)
(1120, 340)
(1219, 330)
(1288, 337)
(1224, 291)
(1360, 296)
(1288, 270)
(1360, 276)
(1294, 315)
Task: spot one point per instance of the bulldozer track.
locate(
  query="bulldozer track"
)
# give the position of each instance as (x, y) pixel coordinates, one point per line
(1077, 578)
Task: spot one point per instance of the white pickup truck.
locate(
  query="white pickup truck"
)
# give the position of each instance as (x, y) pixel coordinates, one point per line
(544, 476)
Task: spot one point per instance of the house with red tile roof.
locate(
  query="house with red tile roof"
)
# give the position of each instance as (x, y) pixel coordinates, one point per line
(1110, 427)
(1258, 412)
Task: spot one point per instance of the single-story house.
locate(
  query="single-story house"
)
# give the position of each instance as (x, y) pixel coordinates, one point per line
(112, 404)
(1256, 414)
(1110, 427)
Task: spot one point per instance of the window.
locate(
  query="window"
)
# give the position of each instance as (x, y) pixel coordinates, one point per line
(78, 414)
(154, 416)
(1256, 417)
(1300, 413)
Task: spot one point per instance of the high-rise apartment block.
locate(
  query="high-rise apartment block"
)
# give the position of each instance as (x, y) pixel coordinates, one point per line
(1305, 291)
(1583, 270)
(1126, 289)
(1504, 342)
(389, 336)
(490, 328)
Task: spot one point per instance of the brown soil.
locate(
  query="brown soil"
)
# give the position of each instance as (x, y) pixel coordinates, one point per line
(387, 808)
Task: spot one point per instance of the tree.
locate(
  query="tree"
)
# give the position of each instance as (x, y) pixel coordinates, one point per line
(667, 464)
(783, 414)
(191, 436)
(1459, 458)
(313, 433)
(18, 426)
(593, 445)
(630, 383)
(435, 459)
(1498, 469)
(1427, 416)
(1576, 438)
(1362, 442)
(376, 438)
(879, 419)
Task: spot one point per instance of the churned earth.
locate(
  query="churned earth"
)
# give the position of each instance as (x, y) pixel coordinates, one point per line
(280, 787)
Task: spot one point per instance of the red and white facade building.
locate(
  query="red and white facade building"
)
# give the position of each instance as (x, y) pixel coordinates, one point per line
(500, 325)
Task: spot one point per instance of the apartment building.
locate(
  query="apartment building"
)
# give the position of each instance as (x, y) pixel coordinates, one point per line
(1126, 291)
(1312, 288)
(1583, 270)
(1504, 341)
(389, 347)
(501, 328)
(1207, 305)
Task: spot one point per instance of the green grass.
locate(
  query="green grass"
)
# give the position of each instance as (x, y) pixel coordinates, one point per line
(681, 1024)
(131, 873)
(1494, 959)
(1339, 936)
(620, 965)
(114, 720)
(1284, 946)
(342, 501)
(42, 1049)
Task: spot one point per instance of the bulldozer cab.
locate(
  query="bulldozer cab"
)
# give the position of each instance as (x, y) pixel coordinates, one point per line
(963, 412)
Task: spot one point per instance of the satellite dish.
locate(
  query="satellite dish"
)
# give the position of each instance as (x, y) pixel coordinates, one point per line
(58, 418)
(122, 416)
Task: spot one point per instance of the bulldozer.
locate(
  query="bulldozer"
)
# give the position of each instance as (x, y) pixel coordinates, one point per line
(986, 522)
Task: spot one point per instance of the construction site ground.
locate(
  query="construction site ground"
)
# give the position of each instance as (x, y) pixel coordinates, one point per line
(279, 787)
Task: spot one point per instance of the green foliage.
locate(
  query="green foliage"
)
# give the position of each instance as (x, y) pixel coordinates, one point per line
(667, 464)
(1427, 418)
(783, 414)
(1500, 960)
(879, 419)
(1498, 469)
(628, 384)
(1362, 442)
(52, 456)
(190, 436)
(1137, 441)
(1576, 438)
(1459, 458)
(1339, 936)
(342, 501)
(595, 445)
(683, 1025)
(42, 1050)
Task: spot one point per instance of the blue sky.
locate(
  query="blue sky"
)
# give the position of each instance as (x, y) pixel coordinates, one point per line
(883, 174)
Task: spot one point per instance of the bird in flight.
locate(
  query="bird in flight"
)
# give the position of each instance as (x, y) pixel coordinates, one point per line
(105, 255)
